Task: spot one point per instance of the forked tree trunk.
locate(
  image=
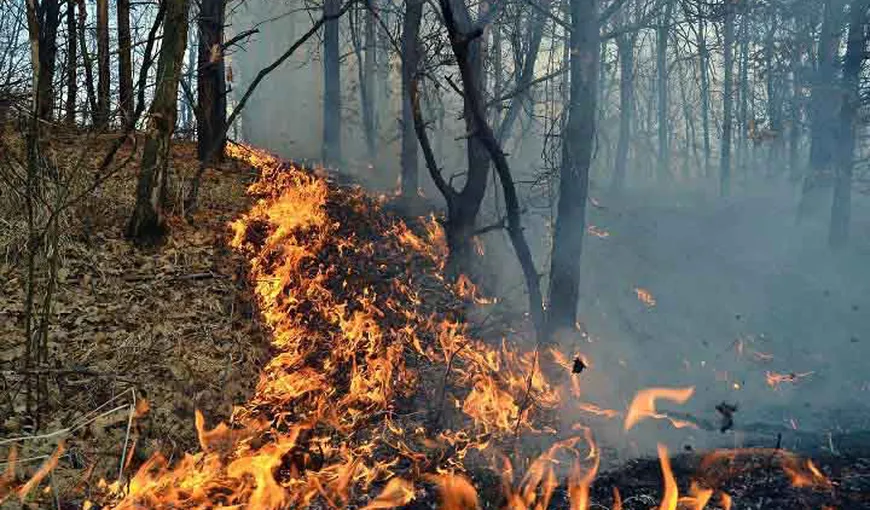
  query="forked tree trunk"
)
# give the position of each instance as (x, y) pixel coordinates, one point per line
(72, 83)
(211, 82)
(147, 222)
(331, 86)
(838, 233)
(103, 72)
(727, 103)
(577, 144)
(408, 180)
(125, 63)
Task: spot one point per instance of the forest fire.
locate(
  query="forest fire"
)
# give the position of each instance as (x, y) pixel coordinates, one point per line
(376, 390)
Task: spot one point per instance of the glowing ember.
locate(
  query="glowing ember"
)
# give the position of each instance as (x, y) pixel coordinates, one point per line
(645, 297)
(644, 405)
(597, 232)
(774, 380)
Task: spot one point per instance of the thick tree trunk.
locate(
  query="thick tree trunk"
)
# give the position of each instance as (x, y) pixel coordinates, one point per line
(331, 86)
(72, 83)
(147, 222)
(125, 63)
(727, 103)
(838, 233)
(463, 217)
(49, 19)
(577, 144)
(211, 82)
(662, 34)
(625, 47)
(408, 180)
(103, 73)
(823, 113)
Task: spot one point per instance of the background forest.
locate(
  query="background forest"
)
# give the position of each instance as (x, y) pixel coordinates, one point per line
(270, 213)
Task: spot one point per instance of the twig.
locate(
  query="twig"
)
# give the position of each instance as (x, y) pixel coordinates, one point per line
(127, 437)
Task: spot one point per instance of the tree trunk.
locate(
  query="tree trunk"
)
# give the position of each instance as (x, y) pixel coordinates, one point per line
(408, 181)
(147, 222)
(49, 20)
(838, 233)
(367, 89)
(743, 110)
(823, 112)
(625, 47)
(125, 63)
(331, 87)
(727, 106)
(88, 65)
(460, 228)
(577, 144)
(704, 59)
(795, 108)
(662, 33)
(211, 82)
(103, 73)
(72, 84)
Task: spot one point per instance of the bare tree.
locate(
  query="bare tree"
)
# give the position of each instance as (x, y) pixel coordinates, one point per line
(125, 63)
(101, 117)
(211, 81)
(331, 86)
(147, 222)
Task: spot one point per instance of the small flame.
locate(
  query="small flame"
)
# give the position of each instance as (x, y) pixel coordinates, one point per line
(774, 380)
(457, 493)
(597, 232)
(645, 297)
(397, 492)
(644, 405)
(671, 495)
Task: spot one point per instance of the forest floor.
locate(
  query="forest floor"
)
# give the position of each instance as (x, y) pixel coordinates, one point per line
(173, 326)
(177, 326)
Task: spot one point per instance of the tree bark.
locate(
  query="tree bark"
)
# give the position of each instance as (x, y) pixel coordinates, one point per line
(727, 103)
(211, 96)
(577, 145)
(88, 65)
(125, 63)
(367, 85)
(838, 233)
(331, 86)
(662, 34)
(408, 181)
(625, 47)
(72, 84)
(103, 74)
(824, 104)
(43, 19)
(703, 62)
(147, 223)
(743, 109)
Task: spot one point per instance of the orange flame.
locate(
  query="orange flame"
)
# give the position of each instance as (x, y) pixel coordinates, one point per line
(644, 405)
(645, 297)
(671, 495)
